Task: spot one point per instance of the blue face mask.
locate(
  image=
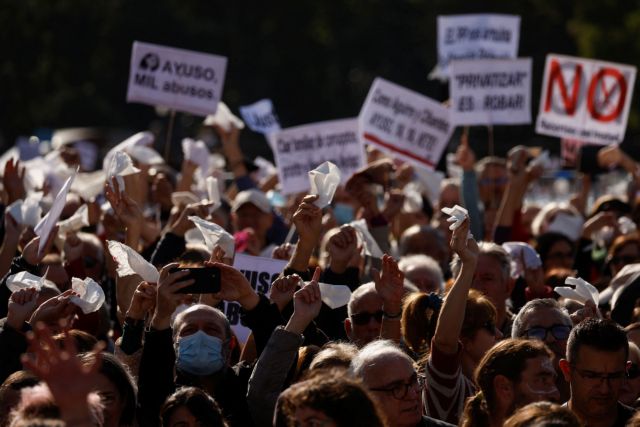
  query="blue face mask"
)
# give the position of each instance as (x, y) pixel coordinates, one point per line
(344, 213)
(199, 354)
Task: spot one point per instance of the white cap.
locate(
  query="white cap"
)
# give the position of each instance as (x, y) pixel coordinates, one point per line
(255, 197)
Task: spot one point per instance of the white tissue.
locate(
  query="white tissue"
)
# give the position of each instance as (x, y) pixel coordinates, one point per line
(90, 295)
(89, 185)
(198, 153)
(45, 226)
(412, 198)
(215, 235)
(457, 214)
(335, 296)
(626, 225)
(131, 262)
(324, 181)
(183, 198)
(542, 160)
(140, 138)
(224, 118)
(121, 165)
(523, 256)
(24, 280)
(568, 225)
(213, 191)
(75, 222)
(429, 181)
(27, 212)
(583, 292)
(145, 155)
(371, 247)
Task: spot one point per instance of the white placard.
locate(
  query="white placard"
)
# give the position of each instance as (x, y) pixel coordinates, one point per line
(405, 123)
(490, 91)
(301, 149)
(585, 99)
(261, 117)
(175, 78)
(260, 272)
(481, 36)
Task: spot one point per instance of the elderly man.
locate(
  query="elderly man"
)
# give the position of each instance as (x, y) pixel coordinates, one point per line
(493, 278)
(396, 386)
(545, 320)
(596, 368)
(198, 344)
(424, 272)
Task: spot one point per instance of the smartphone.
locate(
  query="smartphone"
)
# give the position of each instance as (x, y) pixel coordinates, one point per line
(206, 280)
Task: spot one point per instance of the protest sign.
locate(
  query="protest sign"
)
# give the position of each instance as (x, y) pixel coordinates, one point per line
(490, 91)
(260, 272)
(301, 149)
(405, 124)
(179, 79)
(261, 117)
(585, 99)
(481, 36)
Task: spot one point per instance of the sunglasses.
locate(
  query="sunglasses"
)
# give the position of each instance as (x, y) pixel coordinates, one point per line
(559, 332)
(365, 317)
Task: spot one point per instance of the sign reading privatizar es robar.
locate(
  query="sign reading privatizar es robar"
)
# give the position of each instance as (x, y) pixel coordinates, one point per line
(298, 150)
(179, 79)
(481, 36)
(490, 91)
(260, 272)
(585, 99)
(405, 123)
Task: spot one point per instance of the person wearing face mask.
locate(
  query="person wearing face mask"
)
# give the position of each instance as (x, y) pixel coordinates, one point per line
(197, 344)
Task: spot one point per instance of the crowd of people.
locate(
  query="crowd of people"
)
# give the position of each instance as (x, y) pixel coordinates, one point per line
(465, 319)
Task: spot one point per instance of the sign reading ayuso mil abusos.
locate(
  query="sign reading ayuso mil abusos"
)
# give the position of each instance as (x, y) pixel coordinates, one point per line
(179, 79)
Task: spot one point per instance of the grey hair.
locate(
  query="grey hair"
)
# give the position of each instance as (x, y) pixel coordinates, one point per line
(518, 328)
(373, 352)
(362, 290)
(424, 261)
(492, 249)
(179, 318)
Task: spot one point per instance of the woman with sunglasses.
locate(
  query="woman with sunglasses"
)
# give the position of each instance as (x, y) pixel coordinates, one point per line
(465, 331)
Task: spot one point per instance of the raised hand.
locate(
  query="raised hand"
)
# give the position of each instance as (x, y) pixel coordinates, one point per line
(342, 247)
(466, 248)
(167, 296)
(182, 224)
(282, 290)
(308, 221)
(235, 286)
(22, 304)
(55, 309)
(56, 367)
(30, 252)
(13, 180)
(125, 208)
(389, 285)
(282, 251)
(465, 156)
(143, 300)
(306, 305)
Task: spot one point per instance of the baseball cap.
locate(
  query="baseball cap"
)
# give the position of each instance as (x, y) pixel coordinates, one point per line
(255, 197)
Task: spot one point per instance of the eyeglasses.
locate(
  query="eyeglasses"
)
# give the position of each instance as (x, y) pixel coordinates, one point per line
(598, 377)
(559, 332)
(365, 317)
(634, 371)
(399, 390)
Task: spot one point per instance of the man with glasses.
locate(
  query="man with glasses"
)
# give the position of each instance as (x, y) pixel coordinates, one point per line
(392, 378)
(545, 320)
(596, 368)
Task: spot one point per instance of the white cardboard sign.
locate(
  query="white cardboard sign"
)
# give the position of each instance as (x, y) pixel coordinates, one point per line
(585, 99)
(301, 149)
(260, 272)
(490, 91)
(482, 36)
(405, 123)
(175, 78)
(261, 117)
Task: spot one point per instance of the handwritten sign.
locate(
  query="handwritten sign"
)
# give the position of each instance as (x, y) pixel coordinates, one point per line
(261, 117)
(490, 91)
(175, 78)
(481, 36)
(585, 99)
(405, 123)
(301, 149)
